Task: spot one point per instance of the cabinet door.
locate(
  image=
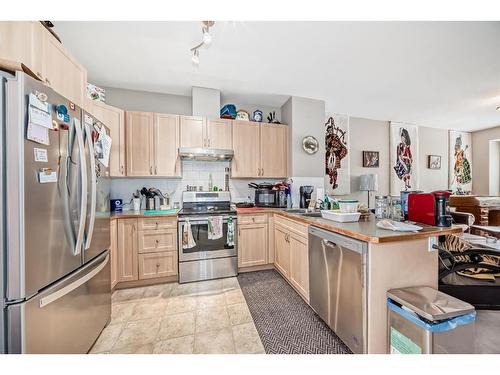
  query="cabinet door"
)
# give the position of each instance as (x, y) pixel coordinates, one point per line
(299, 264)
(273, 150)
(246, 146)
(193, 131)
(127, 250)
(113, 250)
(281, 250)
(138, 133)
(157, 265)
(62, 72)
(114, 119)
(252, 245)
(16, 41)
(219, 134)
(166, 145)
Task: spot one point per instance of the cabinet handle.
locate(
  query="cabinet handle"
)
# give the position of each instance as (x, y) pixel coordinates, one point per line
(150, 170)
(46, 80)
(208, 142)
(262, 173)
(156, 225)
(156, 169)
(157, 242)
(157, 265)
(121, 168)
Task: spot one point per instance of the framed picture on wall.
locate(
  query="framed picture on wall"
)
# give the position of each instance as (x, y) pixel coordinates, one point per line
(434, 162)
(371, 159)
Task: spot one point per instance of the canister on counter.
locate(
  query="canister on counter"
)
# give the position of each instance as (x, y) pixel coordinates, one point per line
(116, 205)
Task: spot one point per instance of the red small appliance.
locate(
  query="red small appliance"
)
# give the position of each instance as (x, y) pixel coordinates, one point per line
(422, 208)
(429, 208)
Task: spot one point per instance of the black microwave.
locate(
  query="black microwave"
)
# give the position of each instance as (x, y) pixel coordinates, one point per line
(270, 198)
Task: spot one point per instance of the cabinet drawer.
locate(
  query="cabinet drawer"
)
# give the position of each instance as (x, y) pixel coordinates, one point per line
(293, 226)
(155, 265)
(252, 219)
(157, 240)
(154, 223)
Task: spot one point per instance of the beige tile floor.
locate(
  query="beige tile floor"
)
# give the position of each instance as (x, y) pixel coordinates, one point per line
(204, 317)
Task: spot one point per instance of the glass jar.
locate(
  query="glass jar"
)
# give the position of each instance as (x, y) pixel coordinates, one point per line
(396, 209)
(382, 207)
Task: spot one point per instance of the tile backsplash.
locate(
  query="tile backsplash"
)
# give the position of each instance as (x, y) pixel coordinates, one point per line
(193, 173)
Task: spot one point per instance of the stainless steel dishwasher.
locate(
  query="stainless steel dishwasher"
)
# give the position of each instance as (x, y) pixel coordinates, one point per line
(337, 285)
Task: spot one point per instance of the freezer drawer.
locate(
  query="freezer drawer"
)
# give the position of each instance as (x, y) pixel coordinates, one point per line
(66, 317)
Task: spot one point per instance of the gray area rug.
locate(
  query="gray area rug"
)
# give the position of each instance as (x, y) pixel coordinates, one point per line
(286, 324)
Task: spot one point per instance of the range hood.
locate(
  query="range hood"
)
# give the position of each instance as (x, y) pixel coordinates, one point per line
(205, 154)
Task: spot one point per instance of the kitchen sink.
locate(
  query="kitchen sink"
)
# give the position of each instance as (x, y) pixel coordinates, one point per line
(296, 210)
(311, 214)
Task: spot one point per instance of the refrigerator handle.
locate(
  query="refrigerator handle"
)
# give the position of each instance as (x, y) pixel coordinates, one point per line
(93, 182)
(75, 284)
(83, 175)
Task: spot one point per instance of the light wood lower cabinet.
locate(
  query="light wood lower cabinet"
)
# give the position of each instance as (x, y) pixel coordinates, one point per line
(154, 265)
(146, 248)
(281, 250)
(291, 257)
(152, 241)
(252, 245)
(113, 253)
(299, 264)
(127, 250)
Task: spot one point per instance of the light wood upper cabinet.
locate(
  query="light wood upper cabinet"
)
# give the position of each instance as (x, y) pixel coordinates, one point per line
(113, 252)
(260, 150)
(16, 42)
(193, 131)
(219, 134)
(139, 133)
(246, 145)
(273, 150)
(152, 144)
(33, 45)
(252, 245)
(299, 264)
(62, 71)
(114, 119)
(166, 145)
(127, 250)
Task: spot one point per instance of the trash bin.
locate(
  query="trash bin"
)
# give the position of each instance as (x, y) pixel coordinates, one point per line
(422, 320)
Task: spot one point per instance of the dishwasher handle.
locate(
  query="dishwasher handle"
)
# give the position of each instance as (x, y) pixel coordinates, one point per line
(329, 243)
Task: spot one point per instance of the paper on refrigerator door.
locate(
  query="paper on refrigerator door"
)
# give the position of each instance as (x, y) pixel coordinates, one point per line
(104, 143)
(38, 134)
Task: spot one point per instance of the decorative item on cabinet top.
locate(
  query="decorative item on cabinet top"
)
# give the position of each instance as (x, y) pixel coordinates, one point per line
(271, 118)
(257, 115)
(242, 115)
(228, 111)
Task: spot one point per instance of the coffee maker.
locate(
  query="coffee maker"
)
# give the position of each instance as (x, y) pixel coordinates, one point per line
(305, 195)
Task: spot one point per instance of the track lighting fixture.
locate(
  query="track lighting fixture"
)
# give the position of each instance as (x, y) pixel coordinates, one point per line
(206, 40)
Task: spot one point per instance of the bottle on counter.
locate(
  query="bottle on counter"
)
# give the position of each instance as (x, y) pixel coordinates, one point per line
(210, 183)
(226, 179)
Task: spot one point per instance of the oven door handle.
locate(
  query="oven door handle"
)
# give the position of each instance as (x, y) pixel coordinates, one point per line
(203, 220)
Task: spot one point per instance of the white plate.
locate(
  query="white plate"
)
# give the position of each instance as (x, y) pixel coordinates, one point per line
(340, 216)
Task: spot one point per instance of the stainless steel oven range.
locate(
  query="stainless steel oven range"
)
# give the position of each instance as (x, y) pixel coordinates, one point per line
(208, 258)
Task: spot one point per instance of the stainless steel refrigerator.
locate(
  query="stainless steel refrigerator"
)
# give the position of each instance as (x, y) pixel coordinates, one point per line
(56, 271)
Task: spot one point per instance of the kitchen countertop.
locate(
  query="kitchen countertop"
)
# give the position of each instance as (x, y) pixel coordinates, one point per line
(139, 214)
(361, 230)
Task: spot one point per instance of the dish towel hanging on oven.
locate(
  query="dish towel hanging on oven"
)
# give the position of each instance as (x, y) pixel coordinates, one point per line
(230, 232)
(187, 236)
(214, 227)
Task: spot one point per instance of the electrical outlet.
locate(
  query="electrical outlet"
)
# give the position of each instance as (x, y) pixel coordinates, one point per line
(432, 241)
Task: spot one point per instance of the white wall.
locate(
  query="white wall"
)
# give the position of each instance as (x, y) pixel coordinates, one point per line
(433, 141)
(305, 117)
(206, 102)
(133, 100)
(481, 159)
(494, 168)
(369, 135)
(193, 173)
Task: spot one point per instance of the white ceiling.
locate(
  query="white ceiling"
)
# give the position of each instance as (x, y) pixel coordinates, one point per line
(438, 74)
